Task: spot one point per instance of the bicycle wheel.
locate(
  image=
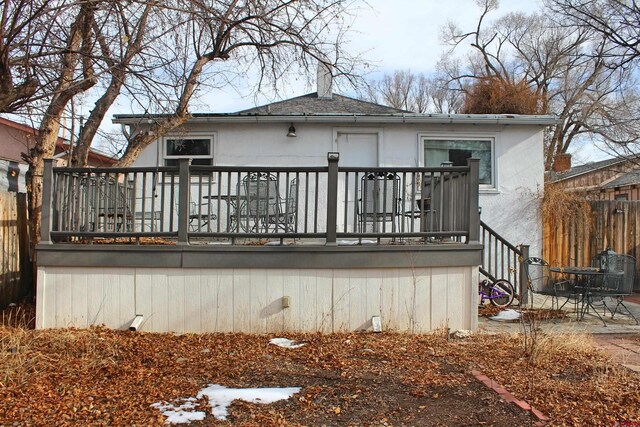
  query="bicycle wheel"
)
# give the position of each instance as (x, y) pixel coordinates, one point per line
(501, 293)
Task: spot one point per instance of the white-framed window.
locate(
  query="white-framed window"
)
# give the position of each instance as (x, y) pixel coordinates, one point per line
(197, 148)
(437, 150)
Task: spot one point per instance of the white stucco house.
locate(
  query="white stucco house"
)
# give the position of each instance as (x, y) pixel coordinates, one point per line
(306, 281)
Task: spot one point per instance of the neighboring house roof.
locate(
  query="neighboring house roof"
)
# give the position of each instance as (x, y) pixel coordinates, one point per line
(629, 178)
(312, 104)
(582, 169)
(96, 157)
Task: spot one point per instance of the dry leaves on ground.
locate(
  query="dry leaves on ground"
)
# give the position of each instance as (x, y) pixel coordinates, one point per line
(105, 377)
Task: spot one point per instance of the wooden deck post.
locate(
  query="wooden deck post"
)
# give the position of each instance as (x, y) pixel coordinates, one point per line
(332, 198)
(47, 197)
(524, 287)
(474, 193)
(184, 199)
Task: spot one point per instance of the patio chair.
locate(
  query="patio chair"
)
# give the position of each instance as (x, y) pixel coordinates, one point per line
(146, 214)
(199, 215)
(109, 205)
(620, 271)
(379, 200)
(262, 201)
(287, 216)
(541, 282)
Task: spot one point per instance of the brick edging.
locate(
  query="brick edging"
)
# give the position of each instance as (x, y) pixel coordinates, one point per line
(510, 398)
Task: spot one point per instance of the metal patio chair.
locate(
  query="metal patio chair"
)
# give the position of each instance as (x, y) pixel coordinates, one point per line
(620, 271)
(261, 208)
(379, 201)
(541, 282)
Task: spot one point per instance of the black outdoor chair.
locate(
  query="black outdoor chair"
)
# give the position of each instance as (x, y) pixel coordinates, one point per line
(541, 282)
(379, 201)
(620, 271)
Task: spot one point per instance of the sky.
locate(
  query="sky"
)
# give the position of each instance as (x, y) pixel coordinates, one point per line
(391, 35)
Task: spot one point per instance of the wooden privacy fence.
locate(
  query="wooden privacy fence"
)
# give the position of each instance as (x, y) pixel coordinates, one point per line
(15, 264)
(609, 224)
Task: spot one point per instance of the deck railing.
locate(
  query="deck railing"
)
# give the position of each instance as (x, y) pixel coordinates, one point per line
(196, 203)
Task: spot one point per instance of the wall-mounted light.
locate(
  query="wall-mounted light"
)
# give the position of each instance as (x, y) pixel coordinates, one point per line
(292, 131)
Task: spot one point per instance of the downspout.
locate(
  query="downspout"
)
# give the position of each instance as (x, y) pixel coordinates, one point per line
(137, 323)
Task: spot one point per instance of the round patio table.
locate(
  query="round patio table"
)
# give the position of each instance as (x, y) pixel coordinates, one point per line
(588, 276)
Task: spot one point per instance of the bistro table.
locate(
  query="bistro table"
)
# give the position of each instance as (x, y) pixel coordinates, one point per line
(235, 206)
(587, 277)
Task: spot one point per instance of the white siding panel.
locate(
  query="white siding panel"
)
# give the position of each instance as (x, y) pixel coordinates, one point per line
(78, 287)
(341, 302)
(439, 300)
(389, 299)
(308, 300)
(194, 300)
(324, 298)
(422, 300)
(250, 300)
(258, 301)
(144, 297)
(161, 301)
(242, 300)
(64, 299)
(455, 299)
(273, 311)
(208, 304)
(226, 300)
(95, 298)
(40, 300)
(291, 288)
(176, 299)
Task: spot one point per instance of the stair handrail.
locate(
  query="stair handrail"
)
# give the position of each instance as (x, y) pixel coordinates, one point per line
(501, 259)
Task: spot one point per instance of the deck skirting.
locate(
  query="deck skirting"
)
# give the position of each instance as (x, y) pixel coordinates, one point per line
(413, 295)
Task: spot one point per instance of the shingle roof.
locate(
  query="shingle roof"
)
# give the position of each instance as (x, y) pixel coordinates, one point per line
(629, 178)
(311, 104)
(581, 169)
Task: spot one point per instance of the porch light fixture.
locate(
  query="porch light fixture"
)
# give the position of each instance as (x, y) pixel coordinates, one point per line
(292, 131)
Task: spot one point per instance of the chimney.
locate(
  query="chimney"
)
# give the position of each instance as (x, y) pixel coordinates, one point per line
(562, 162)
(325, 81)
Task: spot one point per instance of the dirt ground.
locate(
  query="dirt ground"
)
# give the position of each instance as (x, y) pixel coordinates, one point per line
(105, 377)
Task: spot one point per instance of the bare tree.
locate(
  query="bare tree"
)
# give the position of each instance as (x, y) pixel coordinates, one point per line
(413, 92)
(618, 21)
(160, 54)
(563, 66)
(268, 36)
(24, 28)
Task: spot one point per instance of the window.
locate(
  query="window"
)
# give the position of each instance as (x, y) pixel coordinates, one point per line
(622, 197)
(199, 150)
(457, 151)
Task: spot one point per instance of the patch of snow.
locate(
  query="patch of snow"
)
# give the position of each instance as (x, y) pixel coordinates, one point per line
(284, 342)
(221, 397)
(462, 333)
(180, 414)
(509, 314)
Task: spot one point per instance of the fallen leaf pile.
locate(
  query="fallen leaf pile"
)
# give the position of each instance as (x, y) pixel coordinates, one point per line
(105, 377)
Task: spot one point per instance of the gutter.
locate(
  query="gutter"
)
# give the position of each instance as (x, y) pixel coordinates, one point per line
(474, 119)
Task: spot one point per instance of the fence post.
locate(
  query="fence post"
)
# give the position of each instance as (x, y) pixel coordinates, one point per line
(184, 199)
(47, 200)
(332, 198)
(524, 287)
(474, 194)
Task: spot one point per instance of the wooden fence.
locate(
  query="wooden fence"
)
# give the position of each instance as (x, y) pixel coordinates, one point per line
(612, 224)
(15, 264)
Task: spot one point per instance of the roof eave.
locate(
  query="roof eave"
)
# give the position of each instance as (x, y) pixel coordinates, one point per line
(354, 118)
